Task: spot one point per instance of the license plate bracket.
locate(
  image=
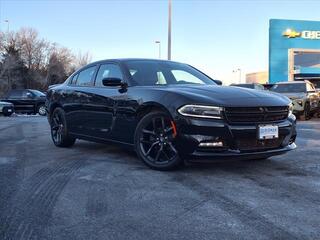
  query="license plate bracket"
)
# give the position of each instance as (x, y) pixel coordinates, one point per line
(268, 132)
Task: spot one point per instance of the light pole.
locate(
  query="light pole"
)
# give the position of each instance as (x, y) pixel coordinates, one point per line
(8, 23)
(239, 71)
(159, 44)
(169, 31)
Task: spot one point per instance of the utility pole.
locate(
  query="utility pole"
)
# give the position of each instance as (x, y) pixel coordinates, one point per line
(7, 21)
(239, 71)
(159, 43)
(169, 31)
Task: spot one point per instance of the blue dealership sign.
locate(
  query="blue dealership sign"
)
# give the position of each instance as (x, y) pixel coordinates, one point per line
(294, 49)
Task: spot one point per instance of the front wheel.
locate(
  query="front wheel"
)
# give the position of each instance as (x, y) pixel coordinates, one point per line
(41, 109)
(155, 139)
(7, 112)
(59, 131)
(306, 113)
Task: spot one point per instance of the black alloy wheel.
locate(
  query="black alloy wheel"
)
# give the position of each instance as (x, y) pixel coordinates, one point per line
(155, 141)
(59, 131)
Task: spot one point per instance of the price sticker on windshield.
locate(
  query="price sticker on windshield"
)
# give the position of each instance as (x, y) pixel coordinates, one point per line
(268, 132)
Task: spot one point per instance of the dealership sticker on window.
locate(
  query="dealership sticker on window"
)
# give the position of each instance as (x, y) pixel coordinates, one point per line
(268, 132)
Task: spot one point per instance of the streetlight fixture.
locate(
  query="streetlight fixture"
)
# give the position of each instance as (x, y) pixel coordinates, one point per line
(159, 44)
(239, 71)
(7, 21)
(169, 30)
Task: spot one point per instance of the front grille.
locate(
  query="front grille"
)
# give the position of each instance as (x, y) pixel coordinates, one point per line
(251, 144)
(255, 114)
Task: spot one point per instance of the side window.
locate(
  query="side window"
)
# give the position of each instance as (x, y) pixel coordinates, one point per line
(183, 76)
(108, 71)
(85, 76)
(74, 79)
(313, 87)
(309, 87)
(27, 94)
(15, 94)
(161, 79)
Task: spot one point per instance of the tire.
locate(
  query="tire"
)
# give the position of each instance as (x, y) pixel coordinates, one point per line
(155, 138)
(41, 109)
(6, 113)
(306, 113)
(59, 129)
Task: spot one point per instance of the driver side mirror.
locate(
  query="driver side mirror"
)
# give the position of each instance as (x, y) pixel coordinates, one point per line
(113, 82)
(218, 82)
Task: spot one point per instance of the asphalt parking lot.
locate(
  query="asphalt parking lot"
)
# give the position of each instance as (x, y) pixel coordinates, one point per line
(95, 191)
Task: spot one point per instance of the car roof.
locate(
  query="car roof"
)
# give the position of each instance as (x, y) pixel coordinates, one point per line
(244, 84)
(131, 59)
(292, 82)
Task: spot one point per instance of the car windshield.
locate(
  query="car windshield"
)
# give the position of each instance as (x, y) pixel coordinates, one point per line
(289, 88)
(38, 93)
(152, 73)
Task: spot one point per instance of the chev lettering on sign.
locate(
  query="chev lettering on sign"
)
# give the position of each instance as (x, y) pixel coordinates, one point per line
(310, 34)
(289, 33)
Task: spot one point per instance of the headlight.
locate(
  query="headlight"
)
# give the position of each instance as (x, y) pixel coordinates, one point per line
(290, 109)
(201, 111)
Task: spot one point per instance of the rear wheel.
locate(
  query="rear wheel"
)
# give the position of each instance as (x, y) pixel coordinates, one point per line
(59, 130)
(155, 142)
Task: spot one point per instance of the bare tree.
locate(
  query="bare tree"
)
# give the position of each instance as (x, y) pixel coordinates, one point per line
(34, 51)
(12, 71)
(59, 65)
(81, 59)
(29, 61)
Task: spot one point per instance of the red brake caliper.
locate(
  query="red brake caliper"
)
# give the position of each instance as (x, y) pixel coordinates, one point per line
(174, 129)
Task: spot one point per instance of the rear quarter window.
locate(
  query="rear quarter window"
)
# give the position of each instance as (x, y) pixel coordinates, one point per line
(74, 79)
(85, 77)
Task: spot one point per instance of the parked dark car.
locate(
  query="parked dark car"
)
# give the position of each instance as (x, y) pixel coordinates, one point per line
(256, 86)
(267, 86)
(27, 101)
(6, 108)
(169, 112)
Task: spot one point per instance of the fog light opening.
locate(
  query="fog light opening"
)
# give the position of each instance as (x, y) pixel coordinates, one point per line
(211, 144)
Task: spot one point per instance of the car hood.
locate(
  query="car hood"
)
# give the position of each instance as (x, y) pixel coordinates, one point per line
(6, 103)
(229, 96)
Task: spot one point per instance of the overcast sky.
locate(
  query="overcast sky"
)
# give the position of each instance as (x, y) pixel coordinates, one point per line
(215, 36)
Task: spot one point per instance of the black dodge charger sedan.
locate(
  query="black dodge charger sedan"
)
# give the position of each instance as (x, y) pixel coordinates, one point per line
(168, 112)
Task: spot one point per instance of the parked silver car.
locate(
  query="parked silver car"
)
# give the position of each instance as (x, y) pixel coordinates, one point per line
(6, 108)
(304, 96)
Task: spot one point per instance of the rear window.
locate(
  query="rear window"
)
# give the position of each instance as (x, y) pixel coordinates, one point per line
(244, 85)
(289, 88)
(85, 76)
(15, 94)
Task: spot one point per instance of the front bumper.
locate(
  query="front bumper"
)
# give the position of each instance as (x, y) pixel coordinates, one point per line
(239, 140)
